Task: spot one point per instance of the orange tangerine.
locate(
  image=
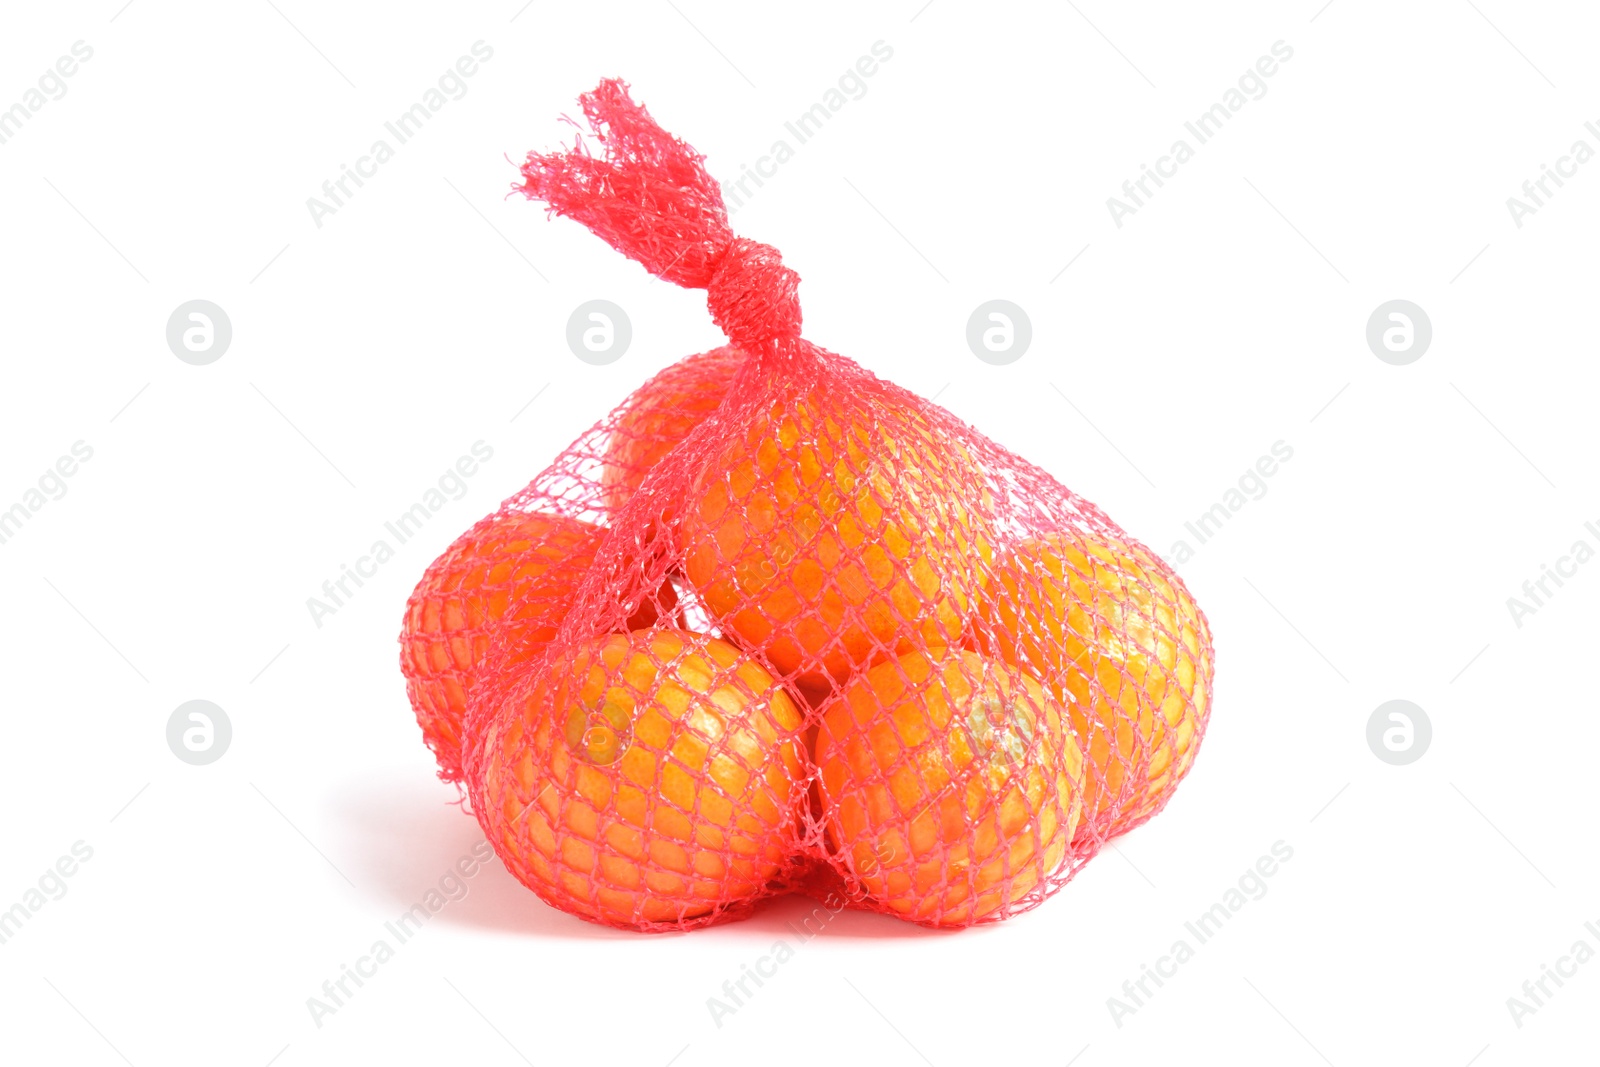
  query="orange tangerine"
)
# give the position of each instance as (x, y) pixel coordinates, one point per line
(660, 414)
(1108, 627)
(826, 537)
(529, 564)
(950, 784)
(645, 778)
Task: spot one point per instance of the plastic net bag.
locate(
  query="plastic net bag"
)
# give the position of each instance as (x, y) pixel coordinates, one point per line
(775, 624)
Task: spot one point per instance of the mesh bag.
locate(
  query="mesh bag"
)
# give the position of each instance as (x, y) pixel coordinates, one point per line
(775, 624)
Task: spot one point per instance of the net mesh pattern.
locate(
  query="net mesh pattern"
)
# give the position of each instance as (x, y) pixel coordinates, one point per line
(775, 624)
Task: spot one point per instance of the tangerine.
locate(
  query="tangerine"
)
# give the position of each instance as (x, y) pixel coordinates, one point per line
(1109, 629)
(826, 538)
(660, 414)
(646, 778)
(526, 563)
(950, 785)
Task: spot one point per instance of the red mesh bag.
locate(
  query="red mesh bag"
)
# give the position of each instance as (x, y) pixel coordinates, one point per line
(775, 624)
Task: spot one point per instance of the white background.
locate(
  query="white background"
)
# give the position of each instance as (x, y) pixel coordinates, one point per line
(368, 354)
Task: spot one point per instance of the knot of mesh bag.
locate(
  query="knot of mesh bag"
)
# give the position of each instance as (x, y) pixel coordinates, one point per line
(650, 197)
(752, 296)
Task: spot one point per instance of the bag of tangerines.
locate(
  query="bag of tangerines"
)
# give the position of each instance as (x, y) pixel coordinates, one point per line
(776, 624)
